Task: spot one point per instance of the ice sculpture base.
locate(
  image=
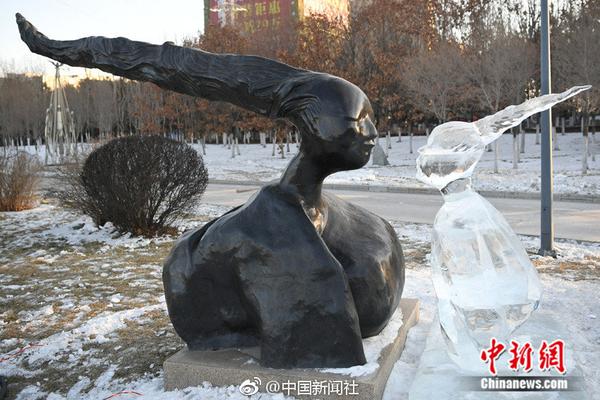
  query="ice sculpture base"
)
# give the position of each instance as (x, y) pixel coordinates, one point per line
(439, 378)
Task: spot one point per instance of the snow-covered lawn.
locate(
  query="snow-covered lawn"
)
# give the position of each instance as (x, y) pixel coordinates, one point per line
(82, 312)
(257, 164)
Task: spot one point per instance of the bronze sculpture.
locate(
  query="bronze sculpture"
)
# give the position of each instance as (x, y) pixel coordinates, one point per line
(301, 273)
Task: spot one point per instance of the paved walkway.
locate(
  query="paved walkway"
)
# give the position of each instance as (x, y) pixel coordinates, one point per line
(573, 220)
(417, 190)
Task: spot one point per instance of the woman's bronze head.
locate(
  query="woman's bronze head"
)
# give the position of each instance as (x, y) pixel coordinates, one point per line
(335, 119)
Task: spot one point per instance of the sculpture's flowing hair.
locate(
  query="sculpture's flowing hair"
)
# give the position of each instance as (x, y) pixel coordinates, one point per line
(254, 83)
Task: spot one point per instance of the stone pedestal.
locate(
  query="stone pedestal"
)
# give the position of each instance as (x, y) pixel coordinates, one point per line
(236, 366)
(439, 378)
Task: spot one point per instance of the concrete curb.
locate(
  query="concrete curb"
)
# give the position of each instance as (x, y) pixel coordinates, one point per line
(416, 190)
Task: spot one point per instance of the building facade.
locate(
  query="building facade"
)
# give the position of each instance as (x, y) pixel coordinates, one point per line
(253, 15)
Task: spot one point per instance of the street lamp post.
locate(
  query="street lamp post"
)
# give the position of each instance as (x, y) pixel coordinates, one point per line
(547, 227)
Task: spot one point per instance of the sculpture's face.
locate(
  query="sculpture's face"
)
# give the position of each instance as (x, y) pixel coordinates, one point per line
(345, 124)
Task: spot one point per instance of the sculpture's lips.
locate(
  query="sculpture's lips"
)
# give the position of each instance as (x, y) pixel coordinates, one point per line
(368, 145)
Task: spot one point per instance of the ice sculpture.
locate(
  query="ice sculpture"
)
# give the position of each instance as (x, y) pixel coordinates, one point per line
(485, 283)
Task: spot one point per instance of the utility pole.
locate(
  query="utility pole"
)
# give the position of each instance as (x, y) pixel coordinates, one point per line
(547, 227)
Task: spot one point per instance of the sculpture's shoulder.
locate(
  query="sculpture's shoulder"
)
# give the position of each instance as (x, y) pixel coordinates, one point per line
(372, 236)
(265, 216)
(349, 217)
(262, 222)
(262, 236)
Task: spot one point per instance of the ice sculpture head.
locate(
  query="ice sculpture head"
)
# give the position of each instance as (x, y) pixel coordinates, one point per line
(454, 148)
(451, 153)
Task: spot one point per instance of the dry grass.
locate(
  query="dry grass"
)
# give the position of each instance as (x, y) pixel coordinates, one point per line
(584, 269)
(87, 279)
(19, 179)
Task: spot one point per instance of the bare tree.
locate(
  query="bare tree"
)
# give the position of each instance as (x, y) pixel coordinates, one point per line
(577, 57)
(23, 102)
(435, 80)
(501, 65)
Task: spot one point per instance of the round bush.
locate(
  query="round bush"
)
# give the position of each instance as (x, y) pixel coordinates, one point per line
(141, 184)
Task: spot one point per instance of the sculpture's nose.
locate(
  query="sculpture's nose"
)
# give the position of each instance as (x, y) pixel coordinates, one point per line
(370, 131)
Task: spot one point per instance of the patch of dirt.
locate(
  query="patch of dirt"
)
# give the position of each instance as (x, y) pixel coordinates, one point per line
(587, 268)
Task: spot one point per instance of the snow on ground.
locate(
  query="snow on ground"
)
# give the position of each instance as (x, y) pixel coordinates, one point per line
(257, 164)
(372, 347)
(82, 315)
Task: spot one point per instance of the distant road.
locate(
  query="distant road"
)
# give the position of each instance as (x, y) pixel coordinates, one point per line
(573, 220)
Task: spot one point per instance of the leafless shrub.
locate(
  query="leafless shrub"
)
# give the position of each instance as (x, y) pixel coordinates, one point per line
(141, 184)
(19, 178)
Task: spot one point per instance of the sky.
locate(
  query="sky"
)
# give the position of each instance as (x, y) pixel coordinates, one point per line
(154, 21)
